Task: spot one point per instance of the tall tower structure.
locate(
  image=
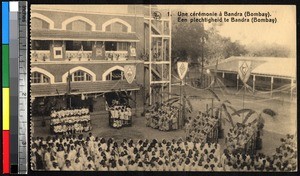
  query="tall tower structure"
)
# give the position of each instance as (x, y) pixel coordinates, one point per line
(158, 49)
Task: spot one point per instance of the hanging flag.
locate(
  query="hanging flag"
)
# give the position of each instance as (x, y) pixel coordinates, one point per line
(132, 51)
(182, 68)
(244, 70)
(129, 73)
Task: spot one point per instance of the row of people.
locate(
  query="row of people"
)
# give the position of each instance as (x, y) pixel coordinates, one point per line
(98, 154)
(66, 128)
(164, 118)
(203, 127)
(120, 116)
(69, 112)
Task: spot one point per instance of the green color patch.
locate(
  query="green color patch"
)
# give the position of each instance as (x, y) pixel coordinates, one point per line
(5, 66)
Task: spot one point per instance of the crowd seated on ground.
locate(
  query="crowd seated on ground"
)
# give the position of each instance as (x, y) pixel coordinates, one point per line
(120, 116)
(98, 154)
(70, 121)
(163, 117)
(239, 136)
(284, 159)
(203, 127)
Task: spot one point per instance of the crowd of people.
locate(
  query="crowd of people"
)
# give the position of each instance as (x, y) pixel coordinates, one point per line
(284, 159)
(242, 137)
(163, 117)
(70, 121)
(203, 128)
(91, 153)
(120, 116)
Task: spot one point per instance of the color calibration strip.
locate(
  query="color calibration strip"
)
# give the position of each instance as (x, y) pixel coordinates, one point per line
(5, 89)
(22, 90)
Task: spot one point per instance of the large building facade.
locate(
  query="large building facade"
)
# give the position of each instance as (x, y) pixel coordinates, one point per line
(83, 53)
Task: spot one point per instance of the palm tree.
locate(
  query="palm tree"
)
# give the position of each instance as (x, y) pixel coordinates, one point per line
(258, 117)
(183, 103)
(224, 106)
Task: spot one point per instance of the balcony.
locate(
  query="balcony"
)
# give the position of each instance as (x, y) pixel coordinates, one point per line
(79, 55)
(45, 56)
(40, 55)
(116, 55)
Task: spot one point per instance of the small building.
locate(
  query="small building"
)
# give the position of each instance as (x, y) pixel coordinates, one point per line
(267, 73)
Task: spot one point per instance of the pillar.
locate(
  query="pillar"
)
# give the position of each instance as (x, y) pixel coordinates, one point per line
(272, 80)
(253, 86)
(292, 83)
(237, 82)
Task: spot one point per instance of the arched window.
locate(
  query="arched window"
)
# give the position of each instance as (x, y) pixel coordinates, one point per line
(79, 25)
(115, 75)
(116, 25)
(37, 78)
(81, 76)
(39, 21)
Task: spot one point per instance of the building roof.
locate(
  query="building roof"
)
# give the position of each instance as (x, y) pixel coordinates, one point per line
(82, 35)
(41, 90)
(264, 66)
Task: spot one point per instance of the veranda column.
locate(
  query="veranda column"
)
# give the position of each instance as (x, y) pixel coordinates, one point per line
(237, 82)
(272, 80)
(253, 86)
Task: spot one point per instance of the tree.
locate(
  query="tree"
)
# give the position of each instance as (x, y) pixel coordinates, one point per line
(183, 103)
(268, 50)
(186, 39)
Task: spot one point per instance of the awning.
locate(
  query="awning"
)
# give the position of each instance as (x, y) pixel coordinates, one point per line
(263, 66)
(82, 36)
(41, 90)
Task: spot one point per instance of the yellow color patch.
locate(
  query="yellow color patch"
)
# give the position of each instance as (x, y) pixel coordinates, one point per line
(5, 108)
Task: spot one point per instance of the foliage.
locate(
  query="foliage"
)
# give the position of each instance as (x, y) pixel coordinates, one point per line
(268, 50)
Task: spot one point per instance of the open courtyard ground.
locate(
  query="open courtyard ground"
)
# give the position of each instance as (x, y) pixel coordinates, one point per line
(275, 128)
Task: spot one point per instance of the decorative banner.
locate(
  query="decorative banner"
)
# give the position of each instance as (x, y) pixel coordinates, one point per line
(129, 73)
(98, 52)
(182, 68)
(244, 70)
(132, 51)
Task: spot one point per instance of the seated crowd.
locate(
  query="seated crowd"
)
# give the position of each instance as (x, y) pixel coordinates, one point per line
(163, 117)
(203, 127)
(120, 116)
(70, 121)
(284, 159)
(240, 136)
(98, 154)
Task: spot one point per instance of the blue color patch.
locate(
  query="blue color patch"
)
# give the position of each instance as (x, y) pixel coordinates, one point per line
(5, 22)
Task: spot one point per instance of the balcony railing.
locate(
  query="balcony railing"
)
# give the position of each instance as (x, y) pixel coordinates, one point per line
(116, 55)
(40, 55)
(79, 55)
(45, 55)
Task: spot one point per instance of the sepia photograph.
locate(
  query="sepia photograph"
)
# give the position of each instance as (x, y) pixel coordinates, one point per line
(206, 88)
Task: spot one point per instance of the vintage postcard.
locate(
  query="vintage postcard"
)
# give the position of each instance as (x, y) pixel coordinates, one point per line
(163, 88)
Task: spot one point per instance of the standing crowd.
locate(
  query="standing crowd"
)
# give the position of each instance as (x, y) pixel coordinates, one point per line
(70, 121)
(120, 116)
(163, 117)
(91, 153)
(203, 128)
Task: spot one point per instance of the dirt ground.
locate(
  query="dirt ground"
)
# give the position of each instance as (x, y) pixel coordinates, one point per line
(275, 128)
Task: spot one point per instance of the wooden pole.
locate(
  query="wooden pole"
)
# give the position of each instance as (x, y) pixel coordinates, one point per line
(272, 80)
(253, 84)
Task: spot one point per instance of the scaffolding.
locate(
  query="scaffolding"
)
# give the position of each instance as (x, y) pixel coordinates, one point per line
(159, 51)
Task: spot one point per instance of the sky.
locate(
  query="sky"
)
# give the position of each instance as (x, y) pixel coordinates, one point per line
(283, 32)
